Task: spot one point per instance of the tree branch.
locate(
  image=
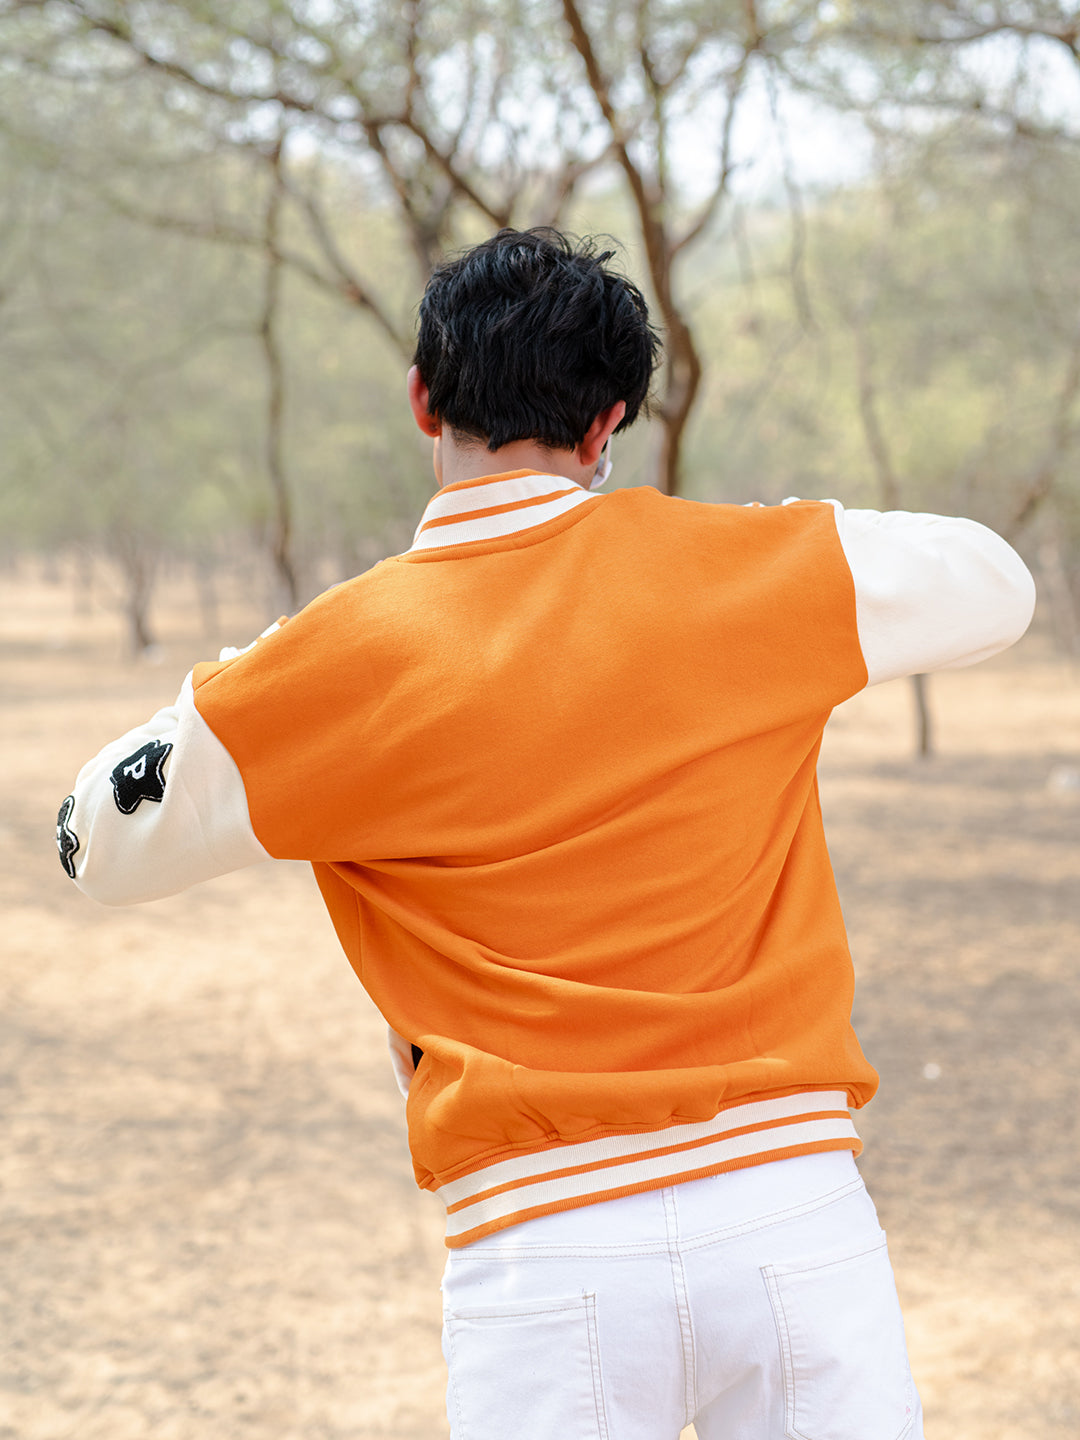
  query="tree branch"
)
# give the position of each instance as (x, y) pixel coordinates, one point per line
(645, 199)
(683, 368)
(1066, 34)
(1062, 431)
(797, 267)
(876, 444)
(348, 283)
(125, 35)
(345, 284)
(833, 93)
(275, 376)
(708, 211)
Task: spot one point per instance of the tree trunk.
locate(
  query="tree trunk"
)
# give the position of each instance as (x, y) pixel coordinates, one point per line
(83, 576)
(281, 547)
(1054, 577)
(139, 568)
(206, 591)
(682, 378)
(923, 719)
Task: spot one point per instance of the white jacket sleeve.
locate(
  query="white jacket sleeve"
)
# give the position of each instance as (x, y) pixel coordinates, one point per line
(159, 809)
(931, 592)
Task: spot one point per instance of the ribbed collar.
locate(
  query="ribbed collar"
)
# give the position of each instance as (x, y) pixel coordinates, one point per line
(493, 506)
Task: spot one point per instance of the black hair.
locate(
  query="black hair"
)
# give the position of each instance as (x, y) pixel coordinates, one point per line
(529, 336)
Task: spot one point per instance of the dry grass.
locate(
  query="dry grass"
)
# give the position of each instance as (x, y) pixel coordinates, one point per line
(208, 1226)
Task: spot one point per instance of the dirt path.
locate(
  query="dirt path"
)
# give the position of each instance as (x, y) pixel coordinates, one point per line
(208, 1227)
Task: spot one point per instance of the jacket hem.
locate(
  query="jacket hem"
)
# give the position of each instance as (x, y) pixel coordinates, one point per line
(583, 1173)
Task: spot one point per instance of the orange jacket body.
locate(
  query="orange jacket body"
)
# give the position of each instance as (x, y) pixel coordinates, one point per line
(559, 791)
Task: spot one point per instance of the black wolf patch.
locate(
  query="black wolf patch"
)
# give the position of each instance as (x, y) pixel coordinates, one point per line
(67, 842)
(141, 777)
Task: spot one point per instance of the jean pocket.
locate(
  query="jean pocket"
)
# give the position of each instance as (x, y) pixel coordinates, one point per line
(529, 1370)
(846, 1373)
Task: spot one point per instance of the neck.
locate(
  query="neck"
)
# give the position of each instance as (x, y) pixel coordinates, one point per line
(455, 461)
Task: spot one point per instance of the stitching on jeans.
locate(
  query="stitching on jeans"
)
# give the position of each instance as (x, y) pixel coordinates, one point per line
(480, 1313)
(559, 1252)
(461, 1429)
(584, 1305)
(682, 1306)
(599, 1398)
(772, 1274)
(814, 1267)
(780, 1320)
(775, 1217)
(656, 1247)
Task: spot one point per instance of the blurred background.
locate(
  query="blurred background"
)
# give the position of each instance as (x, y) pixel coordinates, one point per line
(858, 226)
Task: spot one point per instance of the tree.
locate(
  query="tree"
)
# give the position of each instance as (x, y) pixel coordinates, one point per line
(482, 115)
(317, 146)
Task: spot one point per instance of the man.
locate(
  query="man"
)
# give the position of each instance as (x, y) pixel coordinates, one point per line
(555, 770)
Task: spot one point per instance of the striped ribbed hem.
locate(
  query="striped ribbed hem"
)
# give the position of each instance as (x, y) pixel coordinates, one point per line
(488, 510)
(584, 1172)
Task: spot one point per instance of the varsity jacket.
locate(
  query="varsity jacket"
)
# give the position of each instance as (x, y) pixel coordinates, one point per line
(555, 769)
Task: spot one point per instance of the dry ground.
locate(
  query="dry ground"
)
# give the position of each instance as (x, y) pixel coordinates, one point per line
(208, 1227)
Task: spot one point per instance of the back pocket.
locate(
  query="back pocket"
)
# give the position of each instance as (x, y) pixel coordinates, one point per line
(529, 1371)
(846, 1373)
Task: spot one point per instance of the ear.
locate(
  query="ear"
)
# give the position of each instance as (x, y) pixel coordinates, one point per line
(598, 433)
(418, 402)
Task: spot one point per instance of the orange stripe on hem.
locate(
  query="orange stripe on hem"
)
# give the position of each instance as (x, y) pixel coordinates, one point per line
(492, 1227)
(610, 1162)
(607, 1141)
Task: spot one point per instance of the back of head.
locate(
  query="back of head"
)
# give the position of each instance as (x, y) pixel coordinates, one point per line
(530, 336)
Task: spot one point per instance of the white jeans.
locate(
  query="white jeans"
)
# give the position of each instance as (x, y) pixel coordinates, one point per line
(756, 1305)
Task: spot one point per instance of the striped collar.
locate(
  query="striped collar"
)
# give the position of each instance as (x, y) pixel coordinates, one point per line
(494, 506)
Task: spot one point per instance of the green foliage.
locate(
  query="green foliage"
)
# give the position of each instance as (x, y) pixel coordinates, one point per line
(914, 331)
(960, 271)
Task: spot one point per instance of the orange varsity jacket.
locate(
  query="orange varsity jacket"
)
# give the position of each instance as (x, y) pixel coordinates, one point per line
(555, 770)
(559, 789)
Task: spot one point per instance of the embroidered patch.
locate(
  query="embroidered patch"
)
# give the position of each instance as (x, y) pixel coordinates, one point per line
(67, 842)
(141, 776)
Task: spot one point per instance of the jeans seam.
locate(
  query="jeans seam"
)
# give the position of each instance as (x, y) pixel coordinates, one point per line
(780, 1321)
(658, 1247)
(599, 1398)
(564, 1252)
(462, 1432)
(495, 1312)
(815, 1266)
(775, 1217)
(682, 1307)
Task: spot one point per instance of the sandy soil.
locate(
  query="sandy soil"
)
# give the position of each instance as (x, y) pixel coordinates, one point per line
(208, 1226)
